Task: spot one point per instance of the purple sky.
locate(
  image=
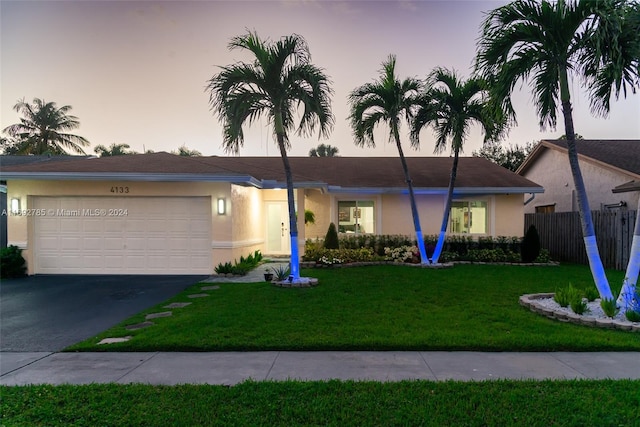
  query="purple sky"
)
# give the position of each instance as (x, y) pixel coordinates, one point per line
(135, 72)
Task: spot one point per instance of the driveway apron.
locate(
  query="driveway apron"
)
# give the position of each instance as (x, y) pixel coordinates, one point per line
(51, 312)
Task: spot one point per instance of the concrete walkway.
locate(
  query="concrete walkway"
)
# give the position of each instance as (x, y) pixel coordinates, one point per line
(230, 368)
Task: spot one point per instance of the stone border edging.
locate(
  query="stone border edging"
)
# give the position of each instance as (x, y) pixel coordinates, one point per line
(303, 282)
(530, 301)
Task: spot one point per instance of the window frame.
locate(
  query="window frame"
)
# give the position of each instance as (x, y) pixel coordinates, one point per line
(487, 217)
(375, 202)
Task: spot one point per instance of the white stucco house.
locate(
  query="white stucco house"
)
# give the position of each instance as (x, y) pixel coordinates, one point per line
(605, 165)
(165, 214)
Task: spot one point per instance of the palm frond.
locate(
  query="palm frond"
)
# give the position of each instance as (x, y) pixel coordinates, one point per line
(279, 83)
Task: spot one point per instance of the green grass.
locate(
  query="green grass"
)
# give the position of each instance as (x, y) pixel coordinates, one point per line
(468, 307)
(333, 403)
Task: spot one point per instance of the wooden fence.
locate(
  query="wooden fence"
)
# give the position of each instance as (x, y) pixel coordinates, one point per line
(561, 233)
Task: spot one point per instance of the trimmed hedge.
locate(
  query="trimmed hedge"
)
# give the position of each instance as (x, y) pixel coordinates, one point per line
(456, 248)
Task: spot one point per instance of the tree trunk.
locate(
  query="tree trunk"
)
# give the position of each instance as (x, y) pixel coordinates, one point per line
(412, 200)
(447, 208)
(588, 233)
(293, 221)
(633, 268)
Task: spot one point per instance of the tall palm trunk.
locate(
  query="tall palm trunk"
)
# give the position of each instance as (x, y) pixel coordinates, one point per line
(293, 222)
(633, 266)
(447, 208)
(588, 233)
(414, 210)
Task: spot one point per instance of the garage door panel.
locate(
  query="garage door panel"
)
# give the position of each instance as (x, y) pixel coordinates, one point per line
(93, 225)
(135, 245)
(93, 262)
(48, 224)
(114, 225)
(107, 244)
(158, 235)
(157, 225)
(70, 243)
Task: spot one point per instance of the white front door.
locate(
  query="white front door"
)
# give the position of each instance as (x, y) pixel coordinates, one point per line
(278, 237)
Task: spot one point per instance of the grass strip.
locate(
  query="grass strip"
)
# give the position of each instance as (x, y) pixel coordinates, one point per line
(468, 307)
(332, 403)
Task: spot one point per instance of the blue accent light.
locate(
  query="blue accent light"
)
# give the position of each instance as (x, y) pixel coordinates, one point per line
(295, 257)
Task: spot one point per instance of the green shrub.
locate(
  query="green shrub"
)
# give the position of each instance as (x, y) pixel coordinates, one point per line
(591, 293)
(331, 239)
(491, 255)
(632, 316)
(281, 272)
(240, 267)
(564, 296)
(328, 256)
(12, 264)
(456, 248)
(226, 268)
(609, 306)
(530, 248)
(402, 254)
(578, 304)
(544, 256)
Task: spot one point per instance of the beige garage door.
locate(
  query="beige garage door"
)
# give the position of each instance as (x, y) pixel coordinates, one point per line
(123, 235)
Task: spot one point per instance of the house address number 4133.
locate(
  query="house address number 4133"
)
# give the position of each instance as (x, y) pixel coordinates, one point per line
(120, 190)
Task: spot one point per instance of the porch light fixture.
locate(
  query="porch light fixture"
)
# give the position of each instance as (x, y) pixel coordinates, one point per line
(15, 204)
(222, 206)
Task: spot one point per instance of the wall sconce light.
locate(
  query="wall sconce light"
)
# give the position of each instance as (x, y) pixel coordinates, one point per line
(15, 204)
(222, 206)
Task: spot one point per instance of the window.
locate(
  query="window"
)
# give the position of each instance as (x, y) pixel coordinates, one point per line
(468, 217)
(356, 216)
(546, 209)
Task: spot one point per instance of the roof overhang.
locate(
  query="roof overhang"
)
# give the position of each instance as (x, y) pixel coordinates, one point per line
(248, 180)
(435, 190)
(140, 177)
(627, 187)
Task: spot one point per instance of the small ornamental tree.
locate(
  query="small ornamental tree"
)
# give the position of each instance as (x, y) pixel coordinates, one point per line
(331, 239)
(530, 248)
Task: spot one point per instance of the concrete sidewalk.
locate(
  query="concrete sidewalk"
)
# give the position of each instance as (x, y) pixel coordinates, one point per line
(230, 368)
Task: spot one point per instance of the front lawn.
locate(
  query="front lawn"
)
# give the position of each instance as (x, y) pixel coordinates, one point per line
(467, 307)
(333, 403)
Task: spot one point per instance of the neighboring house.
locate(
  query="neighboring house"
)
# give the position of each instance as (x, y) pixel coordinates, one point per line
(6, 161)
(165, 214)
(605, 164)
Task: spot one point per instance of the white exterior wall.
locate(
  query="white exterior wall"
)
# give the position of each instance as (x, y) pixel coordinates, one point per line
(551, 170)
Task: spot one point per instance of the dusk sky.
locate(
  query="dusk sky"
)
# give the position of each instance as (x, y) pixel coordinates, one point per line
(135, 72)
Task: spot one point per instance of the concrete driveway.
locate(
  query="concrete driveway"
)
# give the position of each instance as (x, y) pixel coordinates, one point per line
(49, 313)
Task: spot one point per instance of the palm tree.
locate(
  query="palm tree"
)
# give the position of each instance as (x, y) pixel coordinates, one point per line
(184, 151)
(450, 106)
(279, 81)
(387, 100)
(628, 291)
(324, 150)
(113, 150)
(41, 130)
(544, 42)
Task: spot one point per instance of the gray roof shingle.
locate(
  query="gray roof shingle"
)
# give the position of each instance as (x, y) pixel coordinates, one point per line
(346, 172)
(620, 153)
